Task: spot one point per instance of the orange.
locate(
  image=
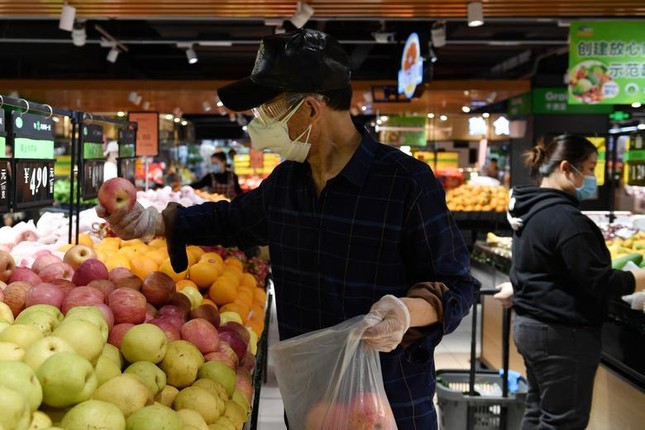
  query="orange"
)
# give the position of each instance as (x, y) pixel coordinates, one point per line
(238, 308)
(197, 251)
(222, 291)
(209, 302)
(142, 265)
(212, 256)
(260, 296)
(181, 284)
(117, 260)
(248, 280)
(158, 242)
(157, 254)
(235, 262)
(166, 267)
(203, 274)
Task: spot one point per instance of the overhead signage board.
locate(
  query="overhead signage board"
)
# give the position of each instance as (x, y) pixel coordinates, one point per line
(147, 133)
(411, 72)
(92, 160)
(606, 62)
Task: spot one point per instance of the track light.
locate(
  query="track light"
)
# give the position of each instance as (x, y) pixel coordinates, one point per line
(67, 15)
(191, 55)
(113, 54)
(438, 34)
(79, 36)
(475, 14)
(302, 15)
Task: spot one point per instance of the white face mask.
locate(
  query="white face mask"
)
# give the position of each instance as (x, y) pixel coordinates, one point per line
(275, 137)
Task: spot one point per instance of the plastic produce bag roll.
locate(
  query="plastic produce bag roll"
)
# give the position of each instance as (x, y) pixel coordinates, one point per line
(330, 380)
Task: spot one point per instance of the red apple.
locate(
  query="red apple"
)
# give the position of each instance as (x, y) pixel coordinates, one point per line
(82, 296)
(117, 333)
(43, 261)
(248, 363)
(107, 314)
(47, 294)
(133, 282)
(77, 254)
(119, 273)
(64, 285)
(117, 194)
(128, 306)
(158, 288)
(56, 271)
(237, 328)
(370, 411)
(236, 342)
(25, 275)
(181, 300)
(88, 271)
(207, 312)
(202, 334)
(15, 295)
(104, 285)
(223, 357)
(168, 327)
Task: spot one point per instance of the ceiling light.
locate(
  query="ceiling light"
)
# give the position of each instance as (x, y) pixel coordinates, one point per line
(113, 54)
(475, 14)
(430, 115)
(443, 117)
(169, 117)
(636, 105)
(191, 55)
(120, 114)
(79, 36)
(302, 15)
(438, 33)
(67, 15)
(465, 109)
(184, 123)
(207, 106)
(177, 119)
(485, 114)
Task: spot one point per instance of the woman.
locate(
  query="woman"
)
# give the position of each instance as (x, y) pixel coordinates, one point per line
(219, 180)
(561, 280)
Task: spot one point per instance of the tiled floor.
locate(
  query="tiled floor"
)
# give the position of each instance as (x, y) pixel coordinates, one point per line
(452, 353)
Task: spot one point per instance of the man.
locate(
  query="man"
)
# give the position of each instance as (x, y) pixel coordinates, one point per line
(353, 226)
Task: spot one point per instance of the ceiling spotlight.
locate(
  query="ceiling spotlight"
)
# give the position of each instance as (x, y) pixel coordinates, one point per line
(79, 36)
(302, 15)
(67, 15)
(465, 109)
(191, 55)
(113, 54)
(475, 14)
(207, 106)
(636, 105)
(438, 33)
(184, 123)
(430, 115)
(443, 117)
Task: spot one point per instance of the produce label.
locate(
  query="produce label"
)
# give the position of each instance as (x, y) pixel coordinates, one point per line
(34, 183)
(607, 62)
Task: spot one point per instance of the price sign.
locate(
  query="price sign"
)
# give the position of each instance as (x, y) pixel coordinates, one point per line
(126, 168)
(92, 178)
(5, 185)
(34, 183)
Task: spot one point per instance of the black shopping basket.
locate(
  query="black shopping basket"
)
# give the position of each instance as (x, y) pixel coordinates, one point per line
(479, 399)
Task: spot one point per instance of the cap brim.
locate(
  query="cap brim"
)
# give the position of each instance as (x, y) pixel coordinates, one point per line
(245, 94)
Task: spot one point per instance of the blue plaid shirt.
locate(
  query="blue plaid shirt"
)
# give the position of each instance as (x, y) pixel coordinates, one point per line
(377, 228)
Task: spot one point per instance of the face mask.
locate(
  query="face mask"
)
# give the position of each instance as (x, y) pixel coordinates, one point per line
(275, 137)
(588, 188)
(217, 168)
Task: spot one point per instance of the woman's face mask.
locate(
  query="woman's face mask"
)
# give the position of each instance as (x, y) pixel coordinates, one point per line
(275, 137)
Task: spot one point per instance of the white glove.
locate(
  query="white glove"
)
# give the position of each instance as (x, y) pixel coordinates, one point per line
(389, 319)
(134, 223)
(505, 295)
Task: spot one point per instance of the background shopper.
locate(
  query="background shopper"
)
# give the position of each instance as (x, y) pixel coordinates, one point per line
(562, 281)
(220, 179)
(353, 226)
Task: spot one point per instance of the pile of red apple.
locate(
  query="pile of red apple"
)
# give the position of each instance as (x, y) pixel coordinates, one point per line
(81, 346)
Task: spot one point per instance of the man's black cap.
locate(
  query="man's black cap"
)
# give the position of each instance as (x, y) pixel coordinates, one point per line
(303, 61)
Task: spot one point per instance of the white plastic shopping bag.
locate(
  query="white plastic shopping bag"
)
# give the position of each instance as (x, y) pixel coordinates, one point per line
(330, 380)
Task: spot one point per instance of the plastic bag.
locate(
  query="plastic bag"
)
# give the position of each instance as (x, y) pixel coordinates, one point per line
(330, 380)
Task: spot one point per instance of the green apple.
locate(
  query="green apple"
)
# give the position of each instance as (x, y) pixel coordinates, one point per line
(84, 337)
(6, 313)
(52, 310)
(91, 314)
(22, 378)
(150, 374)
(181, 363)
(192, 418)
(221, 373)
(40, 420)
(94, 414)
(201, 400)
(144, 342)
(67, 378)
(167, 395)
(126, 391)
(44, 348)
(105, 370)
(21, 335)
(15, 410)
(222, 423)
(113, 353)
(155, 417)
(9, 351)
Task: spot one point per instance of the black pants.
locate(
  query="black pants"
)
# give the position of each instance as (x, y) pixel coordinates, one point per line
(561, 364)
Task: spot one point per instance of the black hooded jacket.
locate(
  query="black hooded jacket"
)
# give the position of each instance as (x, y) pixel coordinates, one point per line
(561, 268)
